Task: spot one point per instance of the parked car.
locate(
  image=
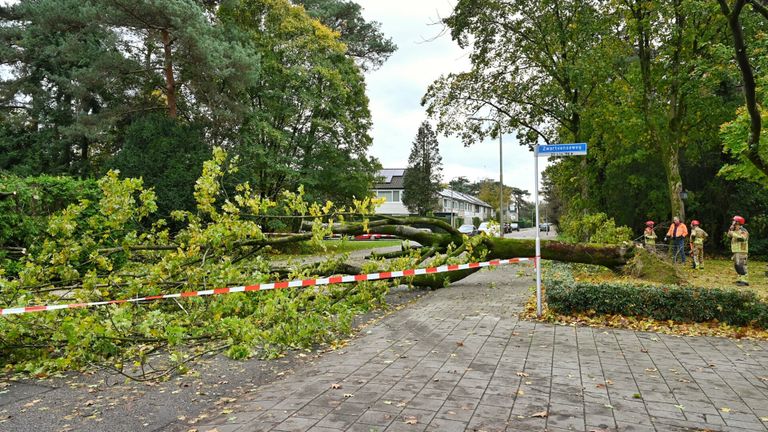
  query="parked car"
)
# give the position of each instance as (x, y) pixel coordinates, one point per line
(545, 226)
(468, 229)
(511, 226)
(489, 228)
(370, 236)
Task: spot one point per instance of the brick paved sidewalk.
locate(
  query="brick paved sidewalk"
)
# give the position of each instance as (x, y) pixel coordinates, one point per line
(459, 359)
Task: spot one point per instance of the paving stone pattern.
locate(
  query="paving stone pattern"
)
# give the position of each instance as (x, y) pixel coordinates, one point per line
(460, 359)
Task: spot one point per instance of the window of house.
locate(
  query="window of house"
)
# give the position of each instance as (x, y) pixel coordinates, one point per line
(396, 196)
(385, 194)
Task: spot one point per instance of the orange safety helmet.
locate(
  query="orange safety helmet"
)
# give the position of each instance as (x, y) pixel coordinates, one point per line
(739, 220)
(694, 223)
(650, 223)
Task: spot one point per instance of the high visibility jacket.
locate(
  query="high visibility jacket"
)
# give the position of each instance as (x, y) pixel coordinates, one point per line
(739, 240)
(650, 236)
(677, 231)
(698, 236)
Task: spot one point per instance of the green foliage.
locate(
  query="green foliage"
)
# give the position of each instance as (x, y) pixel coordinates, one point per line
(101, 249)
(421, 181)
(661, 302)
(476, 221)
(734, 135)
(364, 40)
(168, 155)
(593, 228)
(261, 76)
(24, 216)
(308, 118)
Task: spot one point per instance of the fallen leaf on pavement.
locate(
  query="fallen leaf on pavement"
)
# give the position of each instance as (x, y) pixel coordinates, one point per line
(348, 395)
(335, 386)
(411, 420)
(522, 374)
(725, 409)
(541, 414)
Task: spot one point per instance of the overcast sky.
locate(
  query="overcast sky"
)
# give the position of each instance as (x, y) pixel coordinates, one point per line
(395, 92)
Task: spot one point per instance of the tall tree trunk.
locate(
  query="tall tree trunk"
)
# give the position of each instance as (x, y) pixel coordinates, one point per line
(170, 81)
(671, 162)
(669, 148)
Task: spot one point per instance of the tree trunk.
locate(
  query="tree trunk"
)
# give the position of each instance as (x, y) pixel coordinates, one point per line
(674, 181)
(170, 81)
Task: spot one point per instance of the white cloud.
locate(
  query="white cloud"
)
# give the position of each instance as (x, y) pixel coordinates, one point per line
(396, 90)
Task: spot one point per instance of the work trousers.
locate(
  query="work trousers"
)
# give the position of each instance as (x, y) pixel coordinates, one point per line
(740, 264)
(678, 247)
(698, 255)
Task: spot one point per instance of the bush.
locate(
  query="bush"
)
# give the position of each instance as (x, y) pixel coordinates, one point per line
(593, 228)
(24, 216)
(476, 221)
(168, 155)
(567, 296)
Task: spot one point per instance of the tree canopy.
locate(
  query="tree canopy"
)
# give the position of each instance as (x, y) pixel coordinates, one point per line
(263, 78)
(657, 88)
(421, 181)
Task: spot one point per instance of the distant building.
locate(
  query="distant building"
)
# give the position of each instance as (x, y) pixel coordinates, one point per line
(464, 206)
(391, 189)
(459, 204)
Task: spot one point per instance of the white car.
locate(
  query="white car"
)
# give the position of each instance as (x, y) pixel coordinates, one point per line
(489, 228)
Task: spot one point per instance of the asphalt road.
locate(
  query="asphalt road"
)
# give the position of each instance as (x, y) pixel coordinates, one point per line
(530, 233)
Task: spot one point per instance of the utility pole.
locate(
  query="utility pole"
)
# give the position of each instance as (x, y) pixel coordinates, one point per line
(501, 174)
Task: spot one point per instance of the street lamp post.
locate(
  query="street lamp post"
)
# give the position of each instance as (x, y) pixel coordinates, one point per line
(501, 175)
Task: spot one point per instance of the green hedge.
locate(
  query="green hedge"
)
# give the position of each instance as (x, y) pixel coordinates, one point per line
(567, 296)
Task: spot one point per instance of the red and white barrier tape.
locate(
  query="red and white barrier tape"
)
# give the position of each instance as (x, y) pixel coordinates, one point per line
(275, 285)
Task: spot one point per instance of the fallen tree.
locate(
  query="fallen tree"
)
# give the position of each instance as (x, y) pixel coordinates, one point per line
(109, 249)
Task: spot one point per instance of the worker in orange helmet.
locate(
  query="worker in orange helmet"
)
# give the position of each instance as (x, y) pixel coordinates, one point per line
(740, 248)
(649, 236)
(698, 237)
(677, 232)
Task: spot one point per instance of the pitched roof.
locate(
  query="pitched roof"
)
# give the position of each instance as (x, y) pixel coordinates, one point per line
(392, 178)
(448, 193)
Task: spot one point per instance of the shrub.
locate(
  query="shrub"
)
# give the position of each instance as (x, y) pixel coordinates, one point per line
(565, 295)
(24, 216)
(593, 228)
(476, 221)
(168, 155)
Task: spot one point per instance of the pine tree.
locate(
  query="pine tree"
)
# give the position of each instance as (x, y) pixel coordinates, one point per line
(422, 177)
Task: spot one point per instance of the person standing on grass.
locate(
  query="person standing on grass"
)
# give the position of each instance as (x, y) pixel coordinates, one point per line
(677, 232)
(740, 249)
(698, 237)
(649, 236)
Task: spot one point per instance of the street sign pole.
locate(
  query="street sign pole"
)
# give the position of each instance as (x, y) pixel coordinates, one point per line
(537, 259)
(576, 149)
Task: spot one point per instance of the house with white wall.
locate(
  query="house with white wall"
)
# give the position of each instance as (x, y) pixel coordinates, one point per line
(458, 204)
(461, 205)
(391, 189)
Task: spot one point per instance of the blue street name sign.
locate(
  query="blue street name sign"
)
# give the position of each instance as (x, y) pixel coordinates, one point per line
(577, 149)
